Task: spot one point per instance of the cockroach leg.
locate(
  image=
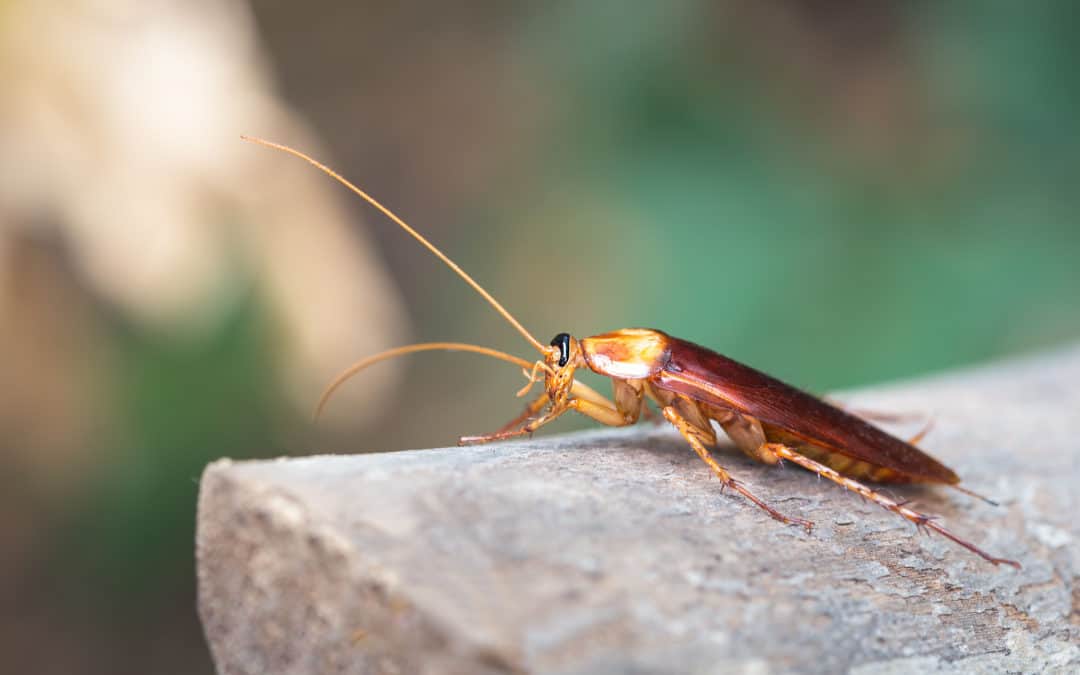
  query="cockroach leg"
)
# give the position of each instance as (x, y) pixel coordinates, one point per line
(532, 376)
(492, 437)
(976, 495)
(746, 433)
(604, 414)
(695, 436)
(611, 416)
(583, 391)
(920, 520)
(871, 414)
(530, 410)
(591, 404)
(520, 425)
(914, 440)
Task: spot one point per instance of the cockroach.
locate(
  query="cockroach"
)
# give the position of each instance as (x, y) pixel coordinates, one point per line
(693, 386)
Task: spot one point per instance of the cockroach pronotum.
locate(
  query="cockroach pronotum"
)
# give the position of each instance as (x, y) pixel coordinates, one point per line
(693, 386)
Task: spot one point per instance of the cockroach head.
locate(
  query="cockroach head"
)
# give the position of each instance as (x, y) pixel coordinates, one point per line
(564, 348)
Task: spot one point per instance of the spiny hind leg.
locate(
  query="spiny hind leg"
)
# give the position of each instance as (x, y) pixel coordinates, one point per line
(697, 437)
(919, 519)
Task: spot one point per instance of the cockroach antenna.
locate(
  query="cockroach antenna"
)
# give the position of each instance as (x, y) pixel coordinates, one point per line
(365, 363)
(405, 226)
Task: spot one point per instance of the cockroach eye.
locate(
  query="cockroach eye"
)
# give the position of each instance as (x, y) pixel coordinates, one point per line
(562, 341)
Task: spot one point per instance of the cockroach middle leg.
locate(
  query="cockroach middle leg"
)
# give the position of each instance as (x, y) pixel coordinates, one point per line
(919, 519)
(697, 437)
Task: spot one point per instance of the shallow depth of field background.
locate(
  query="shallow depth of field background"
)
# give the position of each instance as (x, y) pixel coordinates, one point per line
(839, 196)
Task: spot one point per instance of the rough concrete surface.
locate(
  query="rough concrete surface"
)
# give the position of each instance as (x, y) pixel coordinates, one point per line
(616, 552)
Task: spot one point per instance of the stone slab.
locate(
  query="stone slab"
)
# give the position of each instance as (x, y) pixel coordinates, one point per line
(616, 552)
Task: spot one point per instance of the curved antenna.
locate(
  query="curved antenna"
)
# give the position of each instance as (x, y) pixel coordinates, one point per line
(416, 235)
(410, 349)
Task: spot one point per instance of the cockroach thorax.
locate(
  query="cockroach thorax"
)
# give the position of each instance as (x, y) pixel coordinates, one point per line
(629, 354)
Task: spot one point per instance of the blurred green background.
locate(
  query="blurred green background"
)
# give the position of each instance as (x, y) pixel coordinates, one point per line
(837, 193)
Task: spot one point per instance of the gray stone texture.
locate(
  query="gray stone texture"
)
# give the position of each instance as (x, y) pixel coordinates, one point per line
(616, 552)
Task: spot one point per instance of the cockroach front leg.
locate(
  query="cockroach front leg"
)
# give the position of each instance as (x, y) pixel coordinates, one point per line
(583, 399)
(697, 437)
(530, 411)
(519, 426)
(600, 413)
(919, 519)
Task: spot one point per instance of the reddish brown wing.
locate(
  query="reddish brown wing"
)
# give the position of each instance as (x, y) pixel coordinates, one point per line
(716, 380)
